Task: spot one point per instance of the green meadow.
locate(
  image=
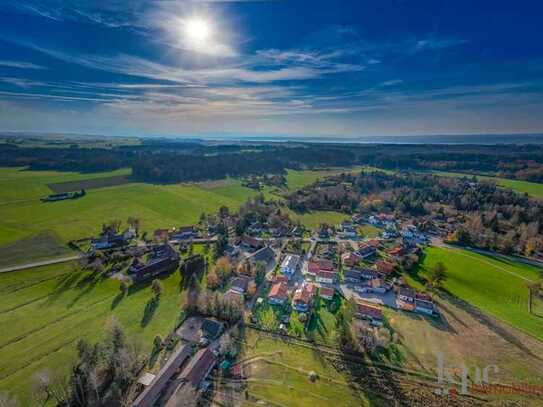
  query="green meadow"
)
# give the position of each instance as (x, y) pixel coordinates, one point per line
(46, 310)
(279, 372)
(31, 230)
(531, 188)
(493, 284)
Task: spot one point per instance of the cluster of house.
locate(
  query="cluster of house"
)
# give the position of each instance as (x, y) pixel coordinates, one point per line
(258, 228)
(365, 250)
(413, 235)
(184, 376)
(347, 230)
(112, 240)
(248, 252)
(162, 259)
(411, 300)
(176, 234)
(383, 220)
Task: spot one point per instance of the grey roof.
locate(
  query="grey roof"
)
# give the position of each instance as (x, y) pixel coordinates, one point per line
(150, 395)
(211, 328)
(266, 254)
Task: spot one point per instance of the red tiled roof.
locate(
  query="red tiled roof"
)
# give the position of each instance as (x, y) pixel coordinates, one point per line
(279, 290)
(199, 366)
(396, 251)
(385, 267)
(369, 310)
(315, 265)
(373, 242)
(279, 279)
(326, 292)
(251, 241)
(350, 259)
(326, 274)
(376, 283)
(305, 294)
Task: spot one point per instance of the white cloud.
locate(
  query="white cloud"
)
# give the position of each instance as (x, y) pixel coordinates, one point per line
(20, 65)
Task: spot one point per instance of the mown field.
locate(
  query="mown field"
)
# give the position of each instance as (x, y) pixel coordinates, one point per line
(46, 310)
(279, 375)
(492, 284)
(531, 188)
(23, 216)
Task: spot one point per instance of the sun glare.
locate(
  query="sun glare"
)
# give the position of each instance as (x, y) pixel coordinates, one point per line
(197, 29)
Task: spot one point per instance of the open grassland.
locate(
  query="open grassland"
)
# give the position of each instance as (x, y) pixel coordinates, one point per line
(531, 188)
(278, 373)
(46, 310)
(33, 248)
(314, 219)
(298, 179)
(494, 285)
(69, 186)
(369, 231)
(23, 217)
(463, 335)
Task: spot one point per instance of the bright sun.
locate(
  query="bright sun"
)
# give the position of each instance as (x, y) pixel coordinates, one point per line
(197, 30)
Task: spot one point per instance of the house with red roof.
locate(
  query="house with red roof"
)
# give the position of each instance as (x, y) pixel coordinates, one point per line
(385, 267)
(326, 277)
(327, 292)
(303, 297)
(350, 259)
(371, 312)
(250, 242)
(314, 266)
(396, 252)
(278, 294)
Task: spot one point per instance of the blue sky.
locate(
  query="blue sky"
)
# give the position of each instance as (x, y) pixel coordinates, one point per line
(298, 68)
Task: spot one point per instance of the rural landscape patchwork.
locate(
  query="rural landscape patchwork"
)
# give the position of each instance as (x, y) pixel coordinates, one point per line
(271, 203)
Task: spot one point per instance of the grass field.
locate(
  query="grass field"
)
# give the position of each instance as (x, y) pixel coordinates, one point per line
(23, 216)
(33, 248)
(492, 284)
(69, 186)
(45, 310)
(531, 188)
(369, 231)
(279, 375)
(315, 218)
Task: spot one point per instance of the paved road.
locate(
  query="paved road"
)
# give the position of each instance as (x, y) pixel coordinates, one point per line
(39, 263)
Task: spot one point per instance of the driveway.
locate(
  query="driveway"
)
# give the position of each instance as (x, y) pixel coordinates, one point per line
(387, 299)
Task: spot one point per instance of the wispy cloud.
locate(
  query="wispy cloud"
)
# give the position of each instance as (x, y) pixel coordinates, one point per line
(21, 82)
(20, 64)
(392, 82)
(253, 70)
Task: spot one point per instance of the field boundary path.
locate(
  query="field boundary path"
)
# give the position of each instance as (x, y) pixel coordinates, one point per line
(39, 263)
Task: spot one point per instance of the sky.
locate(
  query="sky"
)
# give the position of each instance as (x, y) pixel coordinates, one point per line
(271, 68)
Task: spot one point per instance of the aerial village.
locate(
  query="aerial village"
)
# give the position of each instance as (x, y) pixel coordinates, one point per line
(284, 267)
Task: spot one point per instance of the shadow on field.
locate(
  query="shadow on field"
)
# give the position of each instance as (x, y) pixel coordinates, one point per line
(149, 311)
(488, 321)
(64, 284)
(117, 300)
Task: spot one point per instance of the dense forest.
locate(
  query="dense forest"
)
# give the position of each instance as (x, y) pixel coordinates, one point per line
(161, 160)
(489, 216)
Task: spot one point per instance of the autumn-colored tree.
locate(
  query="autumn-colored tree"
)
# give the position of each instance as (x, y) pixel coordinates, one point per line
(212, 280)
(223, 268)
(156, 287)
(251, 288)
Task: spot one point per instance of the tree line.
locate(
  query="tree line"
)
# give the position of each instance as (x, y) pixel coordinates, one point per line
(488, 216)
